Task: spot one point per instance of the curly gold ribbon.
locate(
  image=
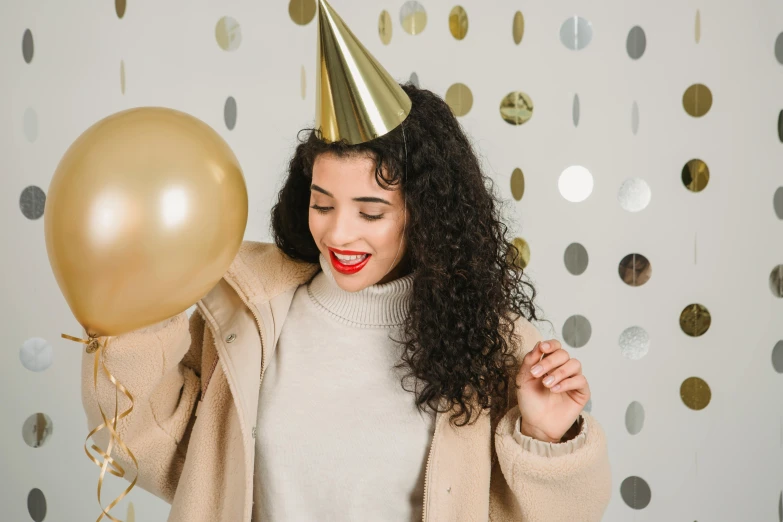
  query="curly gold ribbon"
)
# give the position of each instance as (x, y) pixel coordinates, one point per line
(93, 346)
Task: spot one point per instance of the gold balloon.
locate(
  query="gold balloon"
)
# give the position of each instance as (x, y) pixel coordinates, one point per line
(144, 214)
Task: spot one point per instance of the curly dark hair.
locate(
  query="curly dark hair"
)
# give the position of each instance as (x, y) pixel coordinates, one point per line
(468, 285)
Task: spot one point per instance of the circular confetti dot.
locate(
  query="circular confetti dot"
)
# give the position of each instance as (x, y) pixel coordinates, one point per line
(577, 331)
(385, 27)
(458, 22)
(413, 17)
(516, 108)
(122, 76)
(301, 12)
(575, 110)
(635, 492)
(575, 258)
(230, 112)
(131, 516)
(634, 195)
(36, 505)
(414, 79)
(777, 357)
(635, 117)
(697, 27)
(28, 47)
(777, 202)
(634, 343)
(780, 126)
(36, 354)
(776, 281)
(636, 43)
(119, 7)
(697, 100)
(459, 98)
(576, 33)
(520, 258)
(228, 34)
(634, 418)
(695, 393)
(517, 184)
(37, 429)
(30, 124)
(695, 320)
(518, 27)
(575, 183)
(779, 48)
(695, 175)
(32, 202)
(634, 270)
(302, 83)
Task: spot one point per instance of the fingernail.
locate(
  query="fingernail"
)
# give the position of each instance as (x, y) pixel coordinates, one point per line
(555, 388)
(537, 369)
(544, 346)
(549, 380)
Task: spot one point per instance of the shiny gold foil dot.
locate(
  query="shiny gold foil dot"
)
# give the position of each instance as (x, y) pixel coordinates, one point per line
(517, 184)
(458, 22)
(516, 108)
(695, 175)
(459, 98)
(228, 34)
(522, 255)
(776, 281)
(697, 27)
(302, 83)
(518, 27)
(635, 270)
(131, 517)
(697, 100)
(122, 76)
(385, 27)
(119, 7)
(301, 12)
(695, 319)
(695, 393)
(413, 17)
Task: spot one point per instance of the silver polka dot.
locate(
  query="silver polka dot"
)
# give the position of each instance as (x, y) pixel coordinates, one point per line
(577, 331)
(230, 112)
(575, 258)
(575, 110)
(777, 357)
(36, 505)
(32, 202)
(634, 195)
(777, 202)
(28, 47)
(776, 281)
(636, 43)
(37, 429)
(635, 492)
(415, 80)
(634, 343)
(576, 33)
(30, 124)
(36, 354)
(779, 48)
(634, 418)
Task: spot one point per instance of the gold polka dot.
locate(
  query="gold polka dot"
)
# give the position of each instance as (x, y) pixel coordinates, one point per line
(459, 98)
(228, 34)
(413, 17)
(697, 100)
(385, 27)
(301, 12)
(695, 175)
(518, 27)
(458, 22)
(695, 393)
(517, 184)
(695, 320)
(523, 253)
(119, 7)
(516, 108)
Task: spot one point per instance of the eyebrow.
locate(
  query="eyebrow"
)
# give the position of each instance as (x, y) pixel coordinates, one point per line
(364, 199)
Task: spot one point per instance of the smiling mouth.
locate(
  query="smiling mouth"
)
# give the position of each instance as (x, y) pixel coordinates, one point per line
(348, 261)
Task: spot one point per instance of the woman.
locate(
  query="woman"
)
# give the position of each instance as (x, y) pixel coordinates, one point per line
(376, 362)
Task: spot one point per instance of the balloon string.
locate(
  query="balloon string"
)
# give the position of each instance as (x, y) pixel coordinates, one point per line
(93, 346)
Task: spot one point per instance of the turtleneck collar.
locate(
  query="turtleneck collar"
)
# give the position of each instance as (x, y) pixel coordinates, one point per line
(378, 305)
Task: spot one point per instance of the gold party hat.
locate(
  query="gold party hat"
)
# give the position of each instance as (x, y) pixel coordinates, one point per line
(356, 99)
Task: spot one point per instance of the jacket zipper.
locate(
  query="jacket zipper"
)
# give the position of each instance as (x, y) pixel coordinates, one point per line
(427, 471)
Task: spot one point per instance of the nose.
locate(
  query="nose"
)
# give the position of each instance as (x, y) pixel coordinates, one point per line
(341, 231)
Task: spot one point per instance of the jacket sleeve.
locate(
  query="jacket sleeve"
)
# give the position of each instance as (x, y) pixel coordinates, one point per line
(537, 481)
(159, 365)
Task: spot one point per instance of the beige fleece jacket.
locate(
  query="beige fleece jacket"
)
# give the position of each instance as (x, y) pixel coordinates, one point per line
(195, 384)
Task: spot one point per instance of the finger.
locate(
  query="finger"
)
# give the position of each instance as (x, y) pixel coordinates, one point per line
(540, 367)
(568, 369)
(575, 383)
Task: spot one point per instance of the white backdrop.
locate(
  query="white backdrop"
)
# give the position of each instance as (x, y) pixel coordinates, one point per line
(716, 247)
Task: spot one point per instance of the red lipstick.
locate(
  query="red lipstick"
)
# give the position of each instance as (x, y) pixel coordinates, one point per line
(347, 269)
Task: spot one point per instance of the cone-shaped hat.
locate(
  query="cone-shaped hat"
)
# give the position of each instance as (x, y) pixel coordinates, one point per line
(356, 99)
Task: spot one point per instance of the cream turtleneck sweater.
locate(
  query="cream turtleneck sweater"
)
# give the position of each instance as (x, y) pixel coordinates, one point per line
(338, 437)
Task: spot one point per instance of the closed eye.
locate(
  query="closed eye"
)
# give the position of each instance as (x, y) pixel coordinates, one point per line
(368, 217)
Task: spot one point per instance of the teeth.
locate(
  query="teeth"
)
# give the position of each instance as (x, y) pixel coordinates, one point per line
(350, 260)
